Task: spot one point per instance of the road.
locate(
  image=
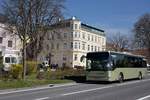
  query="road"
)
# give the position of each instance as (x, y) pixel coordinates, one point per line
(129, 90)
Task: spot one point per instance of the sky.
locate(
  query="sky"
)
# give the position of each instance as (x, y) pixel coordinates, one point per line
(110, 15)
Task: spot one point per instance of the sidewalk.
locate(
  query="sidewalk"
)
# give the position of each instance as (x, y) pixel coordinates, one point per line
(7, 91)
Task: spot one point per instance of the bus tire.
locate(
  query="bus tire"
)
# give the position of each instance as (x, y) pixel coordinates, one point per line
(140, 77)
(121, 78)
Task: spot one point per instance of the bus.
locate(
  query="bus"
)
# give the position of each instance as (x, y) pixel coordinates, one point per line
(114, 66)
(8, 58)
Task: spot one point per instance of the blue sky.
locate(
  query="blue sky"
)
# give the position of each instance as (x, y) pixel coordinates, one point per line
(111, 15)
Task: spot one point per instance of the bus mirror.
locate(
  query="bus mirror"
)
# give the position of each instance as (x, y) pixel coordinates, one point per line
(82, 58)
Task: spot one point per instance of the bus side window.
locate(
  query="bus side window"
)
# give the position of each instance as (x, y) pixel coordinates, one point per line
(139, 62)
(133, 62)
(113, 59)
(13, 60)
(7, 59)
(125, 61)
(144, 64)
(120, 60)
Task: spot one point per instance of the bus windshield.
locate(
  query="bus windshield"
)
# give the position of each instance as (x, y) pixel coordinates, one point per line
(11, 60)
(7, 60)
(98, 61)
(14, 60)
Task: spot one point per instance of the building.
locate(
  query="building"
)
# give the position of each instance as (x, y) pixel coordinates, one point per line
(68, 40)
(9, 42)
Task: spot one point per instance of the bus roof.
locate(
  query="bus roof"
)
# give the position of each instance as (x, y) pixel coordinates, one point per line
(123, 53)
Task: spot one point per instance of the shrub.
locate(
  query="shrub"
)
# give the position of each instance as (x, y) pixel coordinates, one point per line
(79, 67)
(31, 67)
(66, 68)
(79, 72)
(58, 74)
(65, 72)
(16, 71)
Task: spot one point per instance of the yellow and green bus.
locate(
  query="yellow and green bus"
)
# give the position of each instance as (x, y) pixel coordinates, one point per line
(114, 66)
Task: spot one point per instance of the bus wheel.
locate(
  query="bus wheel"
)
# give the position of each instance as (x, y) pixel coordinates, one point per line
(121, 78)
(140, 76)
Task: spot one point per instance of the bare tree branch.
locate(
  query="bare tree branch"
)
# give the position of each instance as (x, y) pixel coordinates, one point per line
(119, 42)
(31, 20)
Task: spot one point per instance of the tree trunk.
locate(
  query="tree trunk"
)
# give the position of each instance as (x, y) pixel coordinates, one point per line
(24, 60)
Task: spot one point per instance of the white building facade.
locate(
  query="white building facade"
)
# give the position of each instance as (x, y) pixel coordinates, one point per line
(69, 40)
(9, 42)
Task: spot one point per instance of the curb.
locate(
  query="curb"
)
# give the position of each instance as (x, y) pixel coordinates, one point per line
(49, 86)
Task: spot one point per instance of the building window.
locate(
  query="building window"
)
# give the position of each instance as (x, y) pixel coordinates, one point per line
(102, 41)
(75, 46)
(71, 26)
(79, 45)
(95, 38)
(47, 47)
(71, 45)
(68, 24)
(4, 35)
(103, 49)
(95, 48)
(75, 57)
(64, 58)
(88, 37)
(71, 35)
(91, 48)
(99, 39)
(1, 39)
(63, 64)
(58, 36)
(83, 46)
(52, 36)
(65, 35)
(52, 46)
(75, 34)
(76, 26)
(65, 45)
(83, 35)
(57, 46)
(92, 37)
(88, 47)
(98, 48)
(48, 37)
(9, 43)
(79, 34)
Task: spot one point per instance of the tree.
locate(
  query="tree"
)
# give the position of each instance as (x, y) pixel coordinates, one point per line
(118, 42)
(142, 31)
(31, 19)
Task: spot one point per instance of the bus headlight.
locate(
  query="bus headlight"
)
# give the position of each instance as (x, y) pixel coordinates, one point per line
(108, 65)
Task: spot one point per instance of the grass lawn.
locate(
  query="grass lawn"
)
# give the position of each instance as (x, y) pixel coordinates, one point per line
(47, 78)
(28, 83)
